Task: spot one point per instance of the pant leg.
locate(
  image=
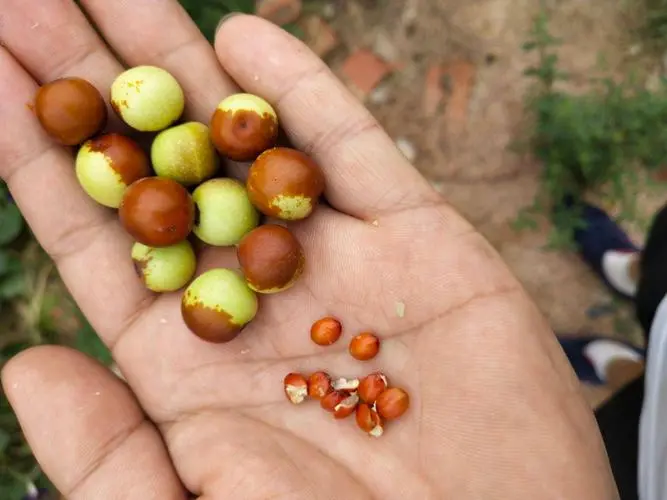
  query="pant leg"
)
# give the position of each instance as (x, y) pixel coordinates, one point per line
(618, 418)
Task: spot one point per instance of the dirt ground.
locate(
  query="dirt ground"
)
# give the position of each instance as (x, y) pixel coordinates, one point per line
(467, 152)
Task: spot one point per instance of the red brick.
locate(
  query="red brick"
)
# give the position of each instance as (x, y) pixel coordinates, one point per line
(460, 78)
(364, 70)
(280, 12)
(319, 36)
(434, 92)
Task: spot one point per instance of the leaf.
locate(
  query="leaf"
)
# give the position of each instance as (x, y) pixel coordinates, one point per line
(13, 285)
(87, 341)
(11, 223)
(11, 488)
(5, 439)
(295, 30)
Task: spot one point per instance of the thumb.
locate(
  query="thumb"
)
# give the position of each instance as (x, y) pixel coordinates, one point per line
(86, 429)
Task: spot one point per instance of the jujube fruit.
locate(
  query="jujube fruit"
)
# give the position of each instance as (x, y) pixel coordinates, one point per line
(218, 304)
(165, 269)
(147, 98)
(70, 110)
(224, 212)
(243, 126)
(157, 212)
(107, 165)
(271, 258)
(185, 154)
(285, 183)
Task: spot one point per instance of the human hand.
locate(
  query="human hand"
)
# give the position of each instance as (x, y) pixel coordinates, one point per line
(496, 412)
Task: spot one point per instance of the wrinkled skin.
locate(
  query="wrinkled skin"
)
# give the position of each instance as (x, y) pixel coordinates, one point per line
(496, 411)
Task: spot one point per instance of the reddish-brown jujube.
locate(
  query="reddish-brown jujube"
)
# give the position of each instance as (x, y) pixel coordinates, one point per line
(285, 183)
(271, 258)
(243, 126)
(157, 212)
(71, 110)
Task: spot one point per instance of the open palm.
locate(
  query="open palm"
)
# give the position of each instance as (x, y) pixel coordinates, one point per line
(495, 410)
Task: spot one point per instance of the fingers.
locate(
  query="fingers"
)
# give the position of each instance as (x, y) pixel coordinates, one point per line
(366, 174)
(88, 245)
(52, 39)
(85, 428)
(162, 34)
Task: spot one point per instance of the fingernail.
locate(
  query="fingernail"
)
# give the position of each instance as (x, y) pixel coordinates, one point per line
(226, 18)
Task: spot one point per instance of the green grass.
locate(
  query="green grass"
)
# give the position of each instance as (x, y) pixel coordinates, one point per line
(601, 143)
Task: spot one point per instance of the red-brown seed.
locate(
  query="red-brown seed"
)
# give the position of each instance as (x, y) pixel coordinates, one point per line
(347, 406)
(296, 387)
(392, 403)
(371, 386)
(326, 331)
(332, 399)
(319, 385)
(364, 346)
(369, 421)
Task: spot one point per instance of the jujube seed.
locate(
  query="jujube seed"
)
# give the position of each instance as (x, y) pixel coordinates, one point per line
(326, 331)
(364, 346)
(369, 421)
(371, 386)
(319, 385)
(392, 403)
(296, 387)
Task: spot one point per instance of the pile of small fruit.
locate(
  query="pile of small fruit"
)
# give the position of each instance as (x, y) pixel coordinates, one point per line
(165, 195)
(370, 398)
(171, 193)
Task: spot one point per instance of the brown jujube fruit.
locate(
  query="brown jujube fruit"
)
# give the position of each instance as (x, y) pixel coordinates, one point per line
(242, 135)
(71, 110)
(285, 183)
(211, 325)
(125, 156)
(271, 258)
(157, 212)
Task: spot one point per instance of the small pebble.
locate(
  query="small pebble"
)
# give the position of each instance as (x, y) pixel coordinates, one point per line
(407, 148)
(380, 95)
(329, 11)
(400, 309)
(385, 48)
